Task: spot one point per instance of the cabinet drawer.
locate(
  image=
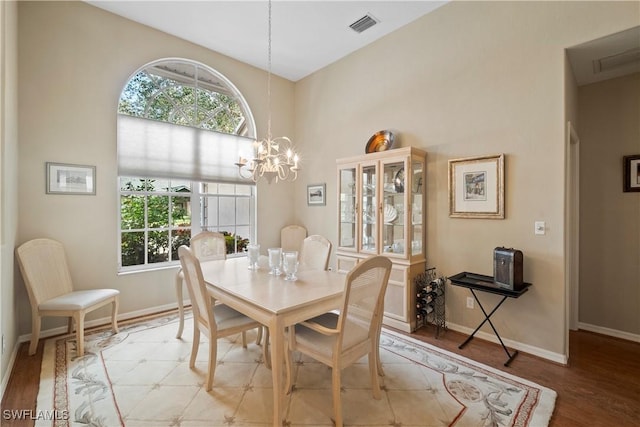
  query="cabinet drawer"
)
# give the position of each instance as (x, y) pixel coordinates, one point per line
(395, 300)
(395, 303)
(398, 275)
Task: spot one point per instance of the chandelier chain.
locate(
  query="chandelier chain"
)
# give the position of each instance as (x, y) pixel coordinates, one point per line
(269, 77)
(274, 158)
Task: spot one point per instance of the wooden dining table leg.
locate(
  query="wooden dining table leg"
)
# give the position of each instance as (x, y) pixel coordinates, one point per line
(276, 332)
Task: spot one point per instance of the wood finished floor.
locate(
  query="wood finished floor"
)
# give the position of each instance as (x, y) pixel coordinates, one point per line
(599, 388)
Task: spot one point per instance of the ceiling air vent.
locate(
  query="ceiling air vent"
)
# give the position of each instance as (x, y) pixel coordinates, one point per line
(615, 61)
(364, 23)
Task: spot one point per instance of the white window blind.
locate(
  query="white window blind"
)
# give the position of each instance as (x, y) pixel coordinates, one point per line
(149, 148)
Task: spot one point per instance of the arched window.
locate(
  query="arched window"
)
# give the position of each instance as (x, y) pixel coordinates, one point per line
(181, 126)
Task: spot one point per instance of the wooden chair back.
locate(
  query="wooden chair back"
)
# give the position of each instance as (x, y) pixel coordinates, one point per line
(43, 264)
(361, 316)
(315, 252)
(291, 237)
(209, 245)
(201, 301)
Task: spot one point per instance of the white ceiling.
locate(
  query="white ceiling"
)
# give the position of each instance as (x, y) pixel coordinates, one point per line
(306, 35)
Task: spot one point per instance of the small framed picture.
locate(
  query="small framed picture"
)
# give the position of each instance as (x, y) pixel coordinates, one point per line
(70, 179)
(631, 173)
(316, 194)
(476, 187)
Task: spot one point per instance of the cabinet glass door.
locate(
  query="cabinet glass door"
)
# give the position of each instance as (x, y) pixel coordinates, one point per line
(347, 208)
(393, 207)
(368, 211)
(417, 205)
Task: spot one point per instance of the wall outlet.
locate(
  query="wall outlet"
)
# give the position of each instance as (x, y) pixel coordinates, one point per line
(469, 302)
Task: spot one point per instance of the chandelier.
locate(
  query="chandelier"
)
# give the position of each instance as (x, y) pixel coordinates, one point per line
(274, 157)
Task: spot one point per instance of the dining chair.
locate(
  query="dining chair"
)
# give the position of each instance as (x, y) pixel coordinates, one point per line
(214, 320)
(315, 252)
(291, 237)
(44, 268)
(207, 246)
(340, 339)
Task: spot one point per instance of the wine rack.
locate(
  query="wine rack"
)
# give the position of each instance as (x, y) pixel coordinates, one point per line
(430, 300)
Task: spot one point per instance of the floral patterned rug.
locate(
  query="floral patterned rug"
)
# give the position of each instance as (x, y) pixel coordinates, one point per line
(141, 377)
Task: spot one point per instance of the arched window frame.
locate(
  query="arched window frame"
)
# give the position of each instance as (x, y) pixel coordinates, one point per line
(206, 196)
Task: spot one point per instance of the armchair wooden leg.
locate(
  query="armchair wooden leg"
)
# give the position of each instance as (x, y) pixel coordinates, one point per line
(35, 333)
(259, 337)
(213, 359)
(265, 349)
(377, 351)
(373, 373)
(79, 317)
(178, 284)
(337, 401)
(194, 346)
(378, 362)
(114, 315)
(288, 360)
(244, 339)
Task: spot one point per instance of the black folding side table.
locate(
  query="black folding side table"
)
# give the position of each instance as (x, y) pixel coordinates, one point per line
(479, 282)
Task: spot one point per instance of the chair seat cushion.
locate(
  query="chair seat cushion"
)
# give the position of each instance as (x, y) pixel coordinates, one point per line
(354, 334)
(226, 317)
(78, 300)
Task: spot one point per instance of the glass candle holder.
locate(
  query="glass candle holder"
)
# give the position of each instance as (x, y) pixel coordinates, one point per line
(275, 260)
(253, 254)
(290, 264)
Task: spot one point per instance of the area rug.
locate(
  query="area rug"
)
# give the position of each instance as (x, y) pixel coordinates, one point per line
(141, 377)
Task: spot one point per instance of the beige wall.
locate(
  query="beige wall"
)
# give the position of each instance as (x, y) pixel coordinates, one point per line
(609, 129)
(8, 179)
(74, 61)
(471, 78)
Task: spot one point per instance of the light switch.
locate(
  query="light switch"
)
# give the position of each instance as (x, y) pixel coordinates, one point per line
(539, 227)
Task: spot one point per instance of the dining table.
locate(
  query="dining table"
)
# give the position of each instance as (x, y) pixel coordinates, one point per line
(275, 302)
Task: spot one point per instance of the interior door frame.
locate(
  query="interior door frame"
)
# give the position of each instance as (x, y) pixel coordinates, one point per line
(572, 230)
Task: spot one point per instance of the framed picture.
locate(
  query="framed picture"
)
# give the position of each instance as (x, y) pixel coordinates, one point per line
(316, 194)
(476, 187)
(70, 179)
(631, 173)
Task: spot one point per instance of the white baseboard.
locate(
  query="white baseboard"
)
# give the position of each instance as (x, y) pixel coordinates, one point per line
(536, 351)
(610, 332)
(7, 373)
(103, 321)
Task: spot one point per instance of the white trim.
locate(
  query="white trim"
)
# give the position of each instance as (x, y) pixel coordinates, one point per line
(572, 229)
(610, 332)
(102, 321)
(7, 373)
(536, 351)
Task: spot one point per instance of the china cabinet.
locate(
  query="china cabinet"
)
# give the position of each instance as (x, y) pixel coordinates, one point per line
(381, 211)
